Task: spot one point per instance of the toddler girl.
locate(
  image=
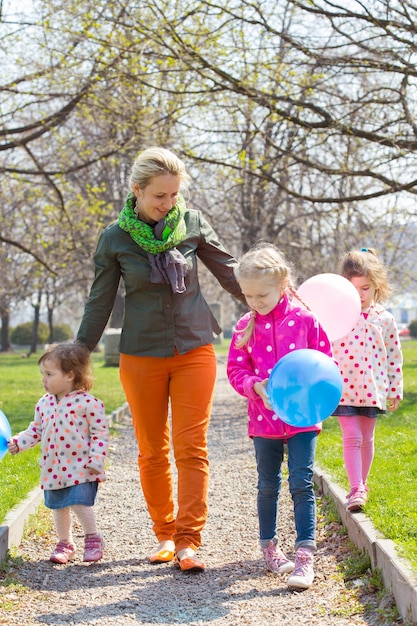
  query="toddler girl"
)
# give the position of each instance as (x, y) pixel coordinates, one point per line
(71, 427)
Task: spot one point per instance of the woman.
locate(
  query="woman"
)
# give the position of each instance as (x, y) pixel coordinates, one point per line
(166, 352)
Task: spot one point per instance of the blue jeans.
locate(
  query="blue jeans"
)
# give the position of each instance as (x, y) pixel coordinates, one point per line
(269, 456)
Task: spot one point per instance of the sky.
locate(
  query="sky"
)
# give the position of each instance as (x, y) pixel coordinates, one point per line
(13, 7)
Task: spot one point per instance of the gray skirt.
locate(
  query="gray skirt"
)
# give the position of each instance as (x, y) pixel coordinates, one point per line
(84, 494)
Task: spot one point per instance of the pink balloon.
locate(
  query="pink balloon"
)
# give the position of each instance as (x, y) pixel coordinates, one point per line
(334, 300)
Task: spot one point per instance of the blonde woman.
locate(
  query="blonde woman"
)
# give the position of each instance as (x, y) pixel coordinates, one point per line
(166, 352)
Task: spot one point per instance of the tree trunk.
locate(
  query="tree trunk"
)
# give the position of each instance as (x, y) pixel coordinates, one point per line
(51, 324)
(5, 331)
(37, 310)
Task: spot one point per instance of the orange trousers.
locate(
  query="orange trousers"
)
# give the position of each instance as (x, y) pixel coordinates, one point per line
(186, 383)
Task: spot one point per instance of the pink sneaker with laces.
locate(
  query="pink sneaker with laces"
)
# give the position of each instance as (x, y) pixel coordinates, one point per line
(63, 553)
(93, 548)
(357, 499)
(275, 559)
(303, 574)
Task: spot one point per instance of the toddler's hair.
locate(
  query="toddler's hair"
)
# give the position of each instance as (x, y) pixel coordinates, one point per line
(71, 357)
(264, 260)
(365, 262)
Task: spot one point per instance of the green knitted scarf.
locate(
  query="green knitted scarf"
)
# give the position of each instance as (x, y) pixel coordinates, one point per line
(143, 234)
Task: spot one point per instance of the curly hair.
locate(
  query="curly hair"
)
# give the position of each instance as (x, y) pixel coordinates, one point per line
(71, 358)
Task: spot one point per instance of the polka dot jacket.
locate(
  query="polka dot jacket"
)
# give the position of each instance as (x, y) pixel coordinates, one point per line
(73, 433)
(285, 329)
(370, 360)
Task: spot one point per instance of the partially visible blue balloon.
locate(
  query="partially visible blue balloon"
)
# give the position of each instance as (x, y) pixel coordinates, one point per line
(5, 434)
(305, 387)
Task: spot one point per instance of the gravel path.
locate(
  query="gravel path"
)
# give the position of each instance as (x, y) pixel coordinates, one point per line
(124, 589)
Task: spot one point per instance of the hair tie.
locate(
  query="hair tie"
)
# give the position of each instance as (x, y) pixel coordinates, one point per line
(364, 249)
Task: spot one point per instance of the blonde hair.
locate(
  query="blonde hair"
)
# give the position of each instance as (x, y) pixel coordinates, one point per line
(71, 358)
(154, 162)
(262, 261)
(365, 262)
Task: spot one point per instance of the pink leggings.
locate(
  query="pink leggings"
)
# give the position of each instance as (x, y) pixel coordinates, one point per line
(358, 447)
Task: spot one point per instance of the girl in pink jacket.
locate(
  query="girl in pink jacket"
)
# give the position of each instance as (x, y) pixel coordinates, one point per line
(370, 361)
(273, 328)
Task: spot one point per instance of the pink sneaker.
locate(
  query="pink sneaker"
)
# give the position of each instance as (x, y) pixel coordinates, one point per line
(303, 574)
(93, 548)
(63, 553)
(275, 559)
(357, 499)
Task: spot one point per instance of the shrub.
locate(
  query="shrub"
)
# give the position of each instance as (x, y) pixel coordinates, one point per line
(412, 327)
(21, 335)
(62, 332)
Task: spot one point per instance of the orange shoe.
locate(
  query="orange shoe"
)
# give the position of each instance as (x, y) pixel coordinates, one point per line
(165, 552)
(163, 556)
(189, 562)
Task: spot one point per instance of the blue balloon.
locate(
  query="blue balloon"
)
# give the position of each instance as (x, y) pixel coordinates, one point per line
(5, 434)
(305, 387)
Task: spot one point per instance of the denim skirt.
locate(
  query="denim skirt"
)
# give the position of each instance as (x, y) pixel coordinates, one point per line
(349, 411)
(84, 494)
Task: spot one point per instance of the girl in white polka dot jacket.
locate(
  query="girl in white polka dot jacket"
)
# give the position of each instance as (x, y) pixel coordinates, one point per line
(370, 361)
(273, 328)
(71, 427)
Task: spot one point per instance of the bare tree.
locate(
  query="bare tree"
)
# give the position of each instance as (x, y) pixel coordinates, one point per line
(296, 119)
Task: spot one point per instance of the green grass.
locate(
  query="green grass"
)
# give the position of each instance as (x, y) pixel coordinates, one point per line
(392, 505)
(20, 389)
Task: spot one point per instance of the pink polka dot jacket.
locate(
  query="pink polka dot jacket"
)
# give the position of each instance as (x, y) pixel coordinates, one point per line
(284, 329)
(73, 433)
(370, 360)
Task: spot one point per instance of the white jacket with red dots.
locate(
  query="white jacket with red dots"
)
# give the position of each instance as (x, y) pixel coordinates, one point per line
(370, 360)
(73, 433)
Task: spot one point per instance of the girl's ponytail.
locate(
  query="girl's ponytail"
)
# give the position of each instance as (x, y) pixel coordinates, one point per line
(243, 339)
